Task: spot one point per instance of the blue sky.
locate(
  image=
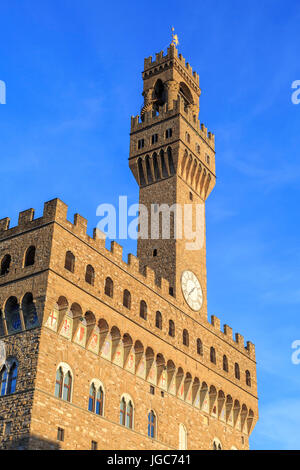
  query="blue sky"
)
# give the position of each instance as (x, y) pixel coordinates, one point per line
(73, 76)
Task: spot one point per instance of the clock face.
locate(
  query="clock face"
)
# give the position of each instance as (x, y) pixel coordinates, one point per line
(191, 289)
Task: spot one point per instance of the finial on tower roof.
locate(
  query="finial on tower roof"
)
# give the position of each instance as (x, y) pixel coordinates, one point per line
(175, 41)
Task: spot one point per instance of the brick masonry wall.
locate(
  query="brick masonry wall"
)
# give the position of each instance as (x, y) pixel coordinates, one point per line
(17, 407)
(82, 426)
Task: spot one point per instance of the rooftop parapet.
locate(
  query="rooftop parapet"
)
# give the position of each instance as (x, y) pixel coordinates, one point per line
(227, 334)
(172, 53)
(56, 211)
(178, 107)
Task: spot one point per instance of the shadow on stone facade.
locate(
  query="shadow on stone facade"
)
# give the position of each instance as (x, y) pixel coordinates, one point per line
(30, 443)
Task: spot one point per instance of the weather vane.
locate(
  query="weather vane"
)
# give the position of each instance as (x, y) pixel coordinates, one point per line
(174, 38)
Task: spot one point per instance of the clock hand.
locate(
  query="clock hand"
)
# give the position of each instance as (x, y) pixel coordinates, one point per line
(191, 291)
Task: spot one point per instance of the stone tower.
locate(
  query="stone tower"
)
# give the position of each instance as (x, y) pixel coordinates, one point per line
(101, 353)
(172, 158)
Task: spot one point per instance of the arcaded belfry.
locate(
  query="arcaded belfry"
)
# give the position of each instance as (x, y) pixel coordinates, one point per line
(99, 353)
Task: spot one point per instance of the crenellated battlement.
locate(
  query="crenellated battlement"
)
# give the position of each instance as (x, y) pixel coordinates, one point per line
(56, 211)
(237, 341)
(178, 108)
(161, 61)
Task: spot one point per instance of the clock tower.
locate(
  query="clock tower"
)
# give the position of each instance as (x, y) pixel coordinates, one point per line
(172, 157)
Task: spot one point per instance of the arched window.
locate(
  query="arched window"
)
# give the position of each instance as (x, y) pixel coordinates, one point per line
(182, 437)
(126, 412)
(8, 377)
(217, 445)
(237, 371)
(199, 347)
(186, 95)
(59, 383)
(70, 261)
(127, 299)
(185, 337)
(29, 256)
(109, 287)
(3, 381)
(169, 133)
(5, 265)
(92, 398)
(158, 320)
(151, 424)
(12, 315)
(248, 378)
(143, 310)
(141, 172)
(148, 170)
(63, 382)
(159, 95)
(67, 387)
(163, 164)
(12, 378)
(122, 411)
(187, 137)
(90, 275)
(171, 328)
(96, 398)
(213, 355)
(225, 363)
(156, 168)
(170, 162)
(29, 312)
(129, 415)
(100, 401)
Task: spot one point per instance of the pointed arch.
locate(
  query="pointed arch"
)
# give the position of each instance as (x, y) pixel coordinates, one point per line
(141, 172)
(127, 411)
(3, 380)
(127, 299)
(170, 161)
(163, 164)
(171, 328)
(248, 378)
(63, 382)
(152, 423)
(182, 437)
(158, 320)
(5, 265)
(109, 287)
(156, 167)
(29, 259)
(12, 315)
(225, 363)
(70, 262)
(29, 311)
(90, 275)
(237, 371)
(143, 310)
(213, 358)
(199, 347)
(148, 170)
(185, 338)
